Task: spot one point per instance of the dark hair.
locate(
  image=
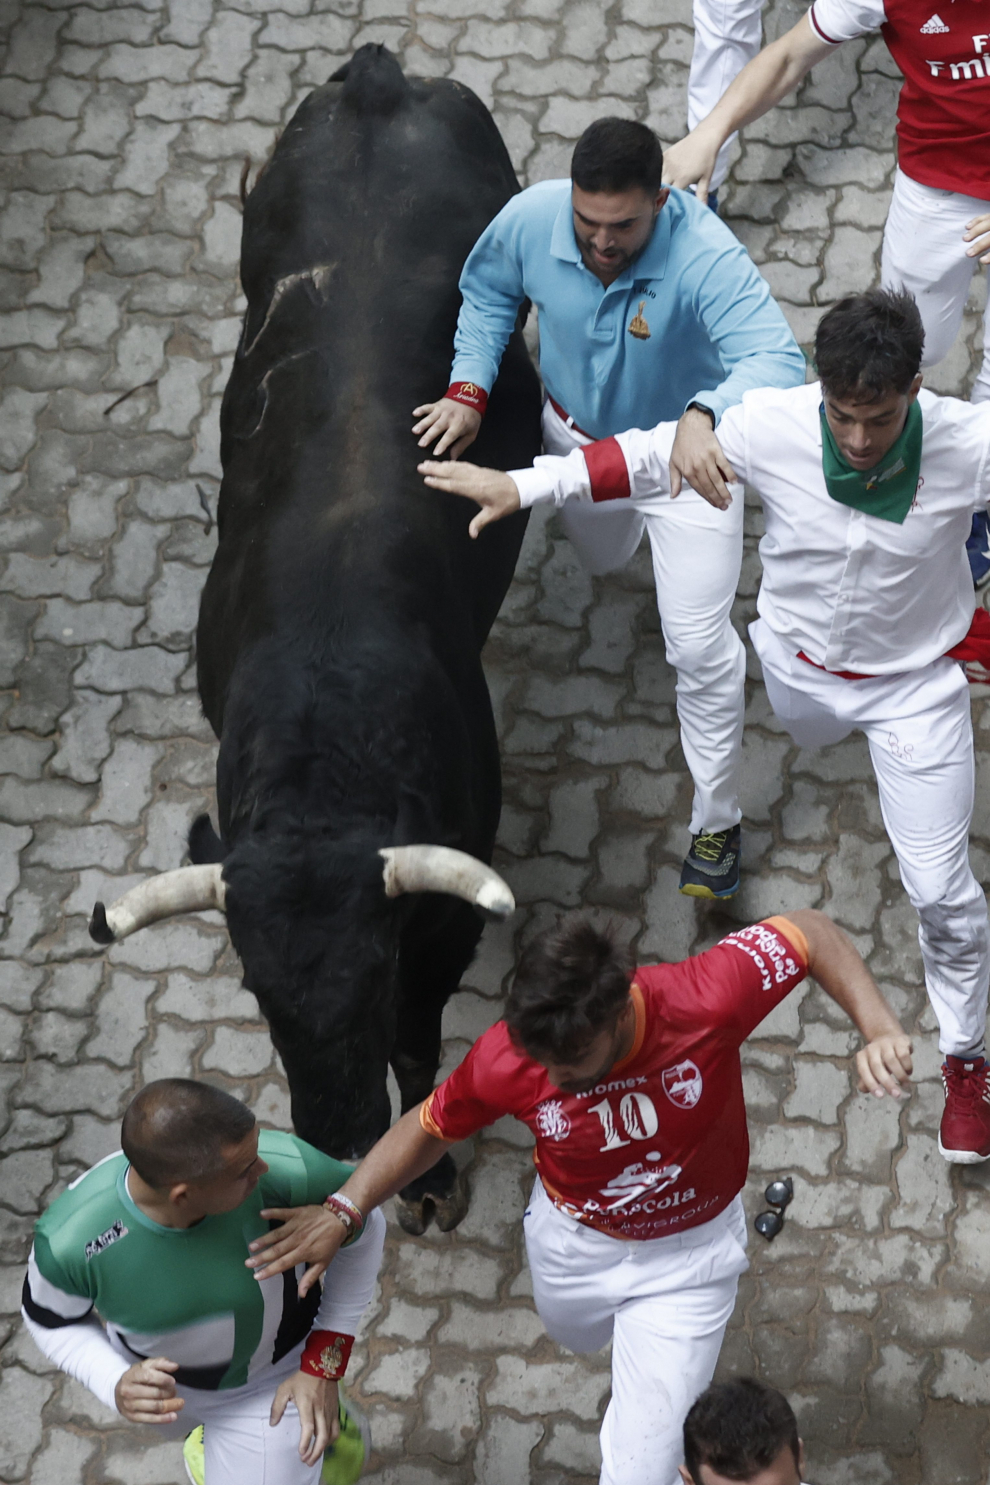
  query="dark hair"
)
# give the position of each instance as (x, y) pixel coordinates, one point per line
(738, 1428)
(572, 980)
(177, 1130)
(614, 154)
(869, 345)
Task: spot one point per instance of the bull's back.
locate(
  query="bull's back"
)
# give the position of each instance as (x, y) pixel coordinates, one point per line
(353, 243)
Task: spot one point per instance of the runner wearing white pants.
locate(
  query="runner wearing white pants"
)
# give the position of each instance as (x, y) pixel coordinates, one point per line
(695, 600)
(630, 1082)
(649, 309)
(664, 1304)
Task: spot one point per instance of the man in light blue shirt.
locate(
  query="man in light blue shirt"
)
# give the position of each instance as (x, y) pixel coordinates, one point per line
(649, 310)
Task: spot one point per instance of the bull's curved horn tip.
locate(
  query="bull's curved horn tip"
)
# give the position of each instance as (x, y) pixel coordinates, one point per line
(495, 899)
(99, 929)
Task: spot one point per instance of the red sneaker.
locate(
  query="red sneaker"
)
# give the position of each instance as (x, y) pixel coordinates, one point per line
(964, 1134)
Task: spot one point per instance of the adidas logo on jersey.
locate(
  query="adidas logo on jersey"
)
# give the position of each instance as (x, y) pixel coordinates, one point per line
(935, 27)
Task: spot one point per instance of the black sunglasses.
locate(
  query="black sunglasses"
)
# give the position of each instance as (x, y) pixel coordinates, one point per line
(779, 1195)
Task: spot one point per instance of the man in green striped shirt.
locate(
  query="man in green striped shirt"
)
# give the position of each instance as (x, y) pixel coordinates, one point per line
(153, 1241)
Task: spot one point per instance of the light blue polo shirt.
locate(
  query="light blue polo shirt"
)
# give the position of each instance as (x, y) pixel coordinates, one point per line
(714, 330)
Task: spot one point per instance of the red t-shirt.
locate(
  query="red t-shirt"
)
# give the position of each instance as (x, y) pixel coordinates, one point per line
(662, 1143)
(943, 49)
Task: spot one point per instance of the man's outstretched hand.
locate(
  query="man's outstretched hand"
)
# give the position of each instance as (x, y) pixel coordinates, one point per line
(494, 491)
(454, 423)
(310, 1235)
(697, 459)
(884, 1064)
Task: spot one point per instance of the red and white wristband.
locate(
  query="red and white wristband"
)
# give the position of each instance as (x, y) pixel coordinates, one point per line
(469, 393)
(348, 1213)
(326, 1354)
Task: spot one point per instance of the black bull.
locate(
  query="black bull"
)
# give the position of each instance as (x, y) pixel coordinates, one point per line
(342, 622)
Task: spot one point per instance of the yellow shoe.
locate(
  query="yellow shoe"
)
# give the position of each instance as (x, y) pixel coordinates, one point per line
(194, 1456)
(344, 1461)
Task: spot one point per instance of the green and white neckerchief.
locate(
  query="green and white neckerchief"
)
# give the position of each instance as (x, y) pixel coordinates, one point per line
(888, 489)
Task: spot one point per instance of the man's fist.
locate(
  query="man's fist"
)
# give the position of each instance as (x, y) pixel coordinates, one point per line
(146, 1392)
(454, 423)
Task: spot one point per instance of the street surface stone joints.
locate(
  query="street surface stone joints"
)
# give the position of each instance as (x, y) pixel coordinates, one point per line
(123, 129)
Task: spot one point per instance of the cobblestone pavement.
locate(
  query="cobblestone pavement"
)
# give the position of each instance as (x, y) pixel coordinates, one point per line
(126, 129)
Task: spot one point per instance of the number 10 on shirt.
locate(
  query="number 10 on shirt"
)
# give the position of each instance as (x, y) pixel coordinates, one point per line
(638, 1114)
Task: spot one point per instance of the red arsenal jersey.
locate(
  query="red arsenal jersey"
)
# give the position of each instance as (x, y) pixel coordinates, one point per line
(662, 1143)
(943, 49)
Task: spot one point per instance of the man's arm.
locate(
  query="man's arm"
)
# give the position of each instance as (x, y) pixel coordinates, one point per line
(491, 292)
(313, 1235)
(773, 73)
(634, 465)
(885, 1062)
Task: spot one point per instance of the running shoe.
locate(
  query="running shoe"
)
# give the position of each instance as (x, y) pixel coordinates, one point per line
(343, 1462)
(194, 1456)
(711, 867)
(964, 1133)
(978, 549)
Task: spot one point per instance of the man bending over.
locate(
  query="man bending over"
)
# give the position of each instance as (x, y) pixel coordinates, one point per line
(153, 1240)
(632, 1086)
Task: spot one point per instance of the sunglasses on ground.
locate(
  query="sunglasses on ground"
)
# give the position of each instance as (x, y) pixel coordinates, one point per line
(778, 1196)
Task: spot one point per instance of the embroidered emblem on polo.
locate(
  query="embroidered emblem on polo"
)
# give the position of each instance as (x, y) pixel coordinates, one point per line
(935, 27)
(551, 1120)
(637, 325)
(112, 1235)
(683, 1084)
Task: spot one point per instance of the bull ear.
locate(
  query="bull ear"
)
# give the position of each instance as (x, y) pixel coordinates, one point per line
(190, 889)
(441, 869)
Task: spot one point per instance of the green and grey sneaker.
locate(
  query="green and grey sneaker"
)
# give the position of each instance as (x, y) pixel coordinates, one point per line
(343, 1462)
(194, 1456)
(711, 867)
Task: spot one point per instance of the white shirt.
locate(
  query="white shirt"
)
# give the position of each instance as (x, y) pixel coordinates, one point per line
(851, 591)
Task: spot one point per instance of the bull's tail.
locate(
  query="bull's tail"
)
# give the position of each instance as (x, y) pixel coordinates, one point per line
(374, 83)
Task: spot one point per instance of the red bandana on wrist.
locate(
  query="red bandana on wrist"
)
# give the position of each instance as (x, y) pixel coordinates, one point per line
(469, 393)
(326, 1354)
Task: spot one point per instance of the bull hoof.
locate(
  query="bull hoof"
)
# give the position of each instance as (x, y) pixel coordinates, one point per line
(446, 1204)
(413, 1216)
(448, 1211)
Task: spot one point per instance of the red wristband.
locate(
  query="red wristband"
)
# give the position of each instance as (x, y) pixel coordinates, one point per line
(326, 1354)
(470, 394)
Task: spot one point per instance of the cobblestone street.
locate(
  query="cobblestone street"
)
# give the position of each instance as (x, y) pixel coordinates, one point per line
(125, 128)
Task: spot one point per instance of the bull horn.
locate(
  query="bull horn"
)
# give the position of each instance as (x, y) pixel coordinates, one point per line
(440, 869)
(189, 889)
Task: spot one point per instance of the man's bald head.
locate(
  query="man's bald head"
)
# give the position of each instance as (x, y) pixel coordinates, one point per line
(177, 1130)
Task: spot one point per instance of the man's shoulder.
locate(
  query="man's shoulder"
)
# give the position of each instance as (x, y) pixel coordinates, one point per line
(798, 404)
(952, 412)
(88, 1215)
(537, 207)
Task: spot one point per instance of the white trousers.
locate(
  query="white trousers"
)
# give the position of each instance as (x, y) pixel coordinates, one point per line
(727, 35)
(664, 1303)
(923, 250)
(697, 554)
(241, 1446)
(920, 736)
